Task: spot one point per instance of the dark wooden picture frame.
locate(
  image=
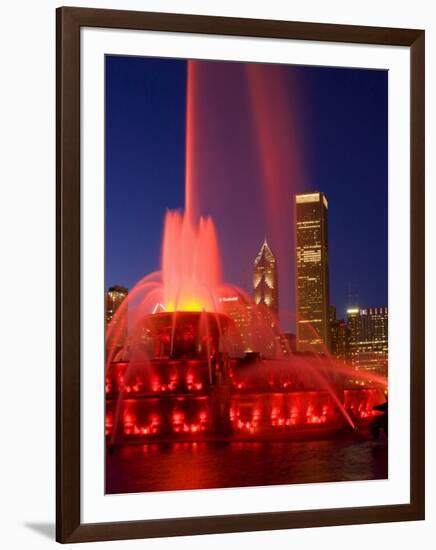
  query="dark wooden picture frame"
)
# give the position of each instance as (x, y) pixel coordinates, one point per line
(68, 517)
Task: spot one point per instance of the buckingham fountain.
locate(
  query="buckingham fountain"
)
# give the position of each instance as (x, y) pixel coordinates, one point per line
(183, 366)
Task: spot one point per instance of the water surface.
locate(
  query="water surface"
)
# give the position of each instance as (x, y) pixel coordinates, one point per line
(188, 465)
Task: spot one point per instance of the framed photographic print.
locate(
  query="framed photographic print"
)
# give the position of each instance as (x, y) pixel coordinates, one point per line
(240, 241)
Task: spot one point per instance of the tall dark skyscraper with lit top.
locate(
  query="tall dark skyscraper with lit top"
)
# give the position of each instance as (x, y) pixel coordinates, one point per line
(312, 273)
(265, 280)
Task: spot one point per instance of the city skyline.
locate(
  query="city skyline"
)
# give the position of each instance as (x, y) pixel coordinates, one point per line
(361, 340)
(266, 286)
(132, 142)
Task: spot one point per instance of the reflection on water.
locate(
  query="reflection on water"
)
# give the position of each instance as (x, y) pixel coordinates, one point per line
(205, 465)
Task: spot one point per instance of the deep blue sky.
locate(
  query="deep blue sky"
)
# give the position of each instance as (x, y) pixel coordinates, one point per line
(342, 132)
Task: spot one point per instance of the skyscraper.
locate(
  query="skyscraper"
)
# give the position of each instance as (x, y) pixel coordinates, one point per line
(368, 330)
(265, 280)
(312, 273)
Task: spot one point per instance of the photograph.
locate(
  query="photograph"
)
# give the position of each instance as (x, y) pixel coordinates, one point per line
(222, 213)
(246, 274)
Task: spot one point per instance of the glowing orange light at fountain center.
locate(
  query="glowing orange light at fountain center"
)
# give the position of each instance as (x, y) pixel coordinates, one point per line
(191, 271)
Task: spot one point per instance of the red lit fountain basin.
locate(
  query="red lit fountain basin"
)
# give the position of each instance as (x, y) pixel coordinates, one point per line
(185, 334)
(181, 384)
(175, 352)
(249, 415)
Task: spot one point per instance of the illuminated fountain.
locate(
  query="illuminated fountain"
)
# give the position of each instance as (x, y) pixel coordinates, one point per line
(188, 356)
(177, 366)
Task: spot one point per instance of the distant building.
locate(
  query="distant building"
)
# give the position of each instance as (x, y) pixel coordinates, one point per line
(340, 340)
(312, 273)
(368, 334)
(339, 337)
(265, 279)
(257, 330)
(242, 315)
(115, 296)
(332, 313)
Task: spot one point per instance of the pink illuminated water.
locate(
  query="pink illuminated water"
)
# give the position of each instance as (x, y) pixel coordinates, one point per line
(191, 270)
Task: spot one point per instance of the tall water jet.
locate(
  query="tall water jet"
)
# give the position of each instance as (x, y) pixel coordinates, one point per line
(191, 271)
(192, 99)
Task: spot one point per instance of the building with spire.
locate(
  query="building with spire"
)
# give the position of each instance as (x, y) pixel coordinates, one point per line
(265, 279)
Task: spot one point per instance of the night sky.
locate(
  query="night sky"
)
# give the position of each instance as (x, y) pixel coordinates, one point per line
(339, 124)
